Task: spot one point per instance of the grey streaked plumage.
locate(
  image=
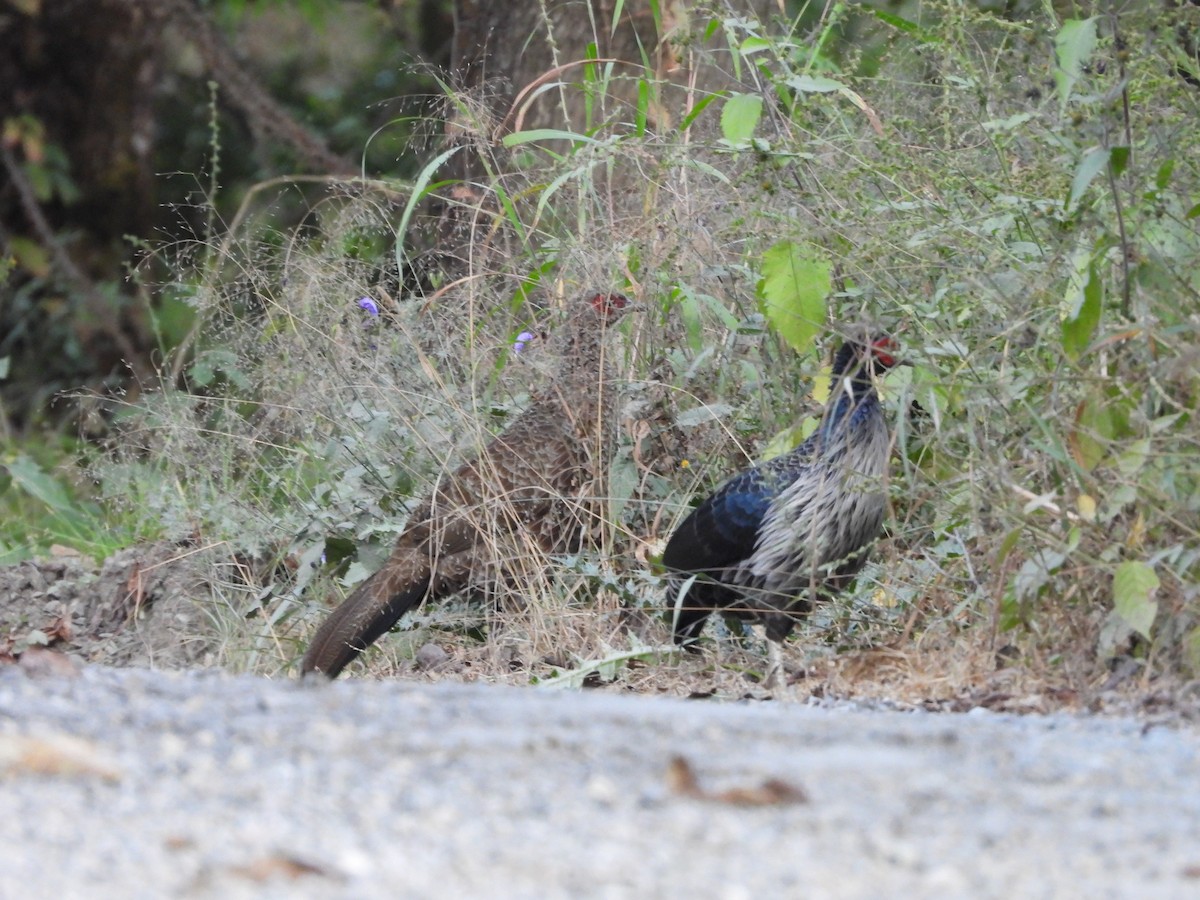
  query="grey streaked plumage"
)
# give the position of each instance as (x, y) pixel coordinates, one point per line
(534, 484)
(777, 537)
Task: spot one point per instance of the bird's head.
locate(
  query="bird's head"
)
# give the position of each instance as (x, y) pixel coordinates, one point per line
(609, 307)
(883, 354)
(868, 354)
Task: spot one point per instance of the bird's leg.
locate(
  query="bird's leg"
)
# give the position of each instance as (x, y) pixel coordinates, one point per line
(777, 626)
(774, 679)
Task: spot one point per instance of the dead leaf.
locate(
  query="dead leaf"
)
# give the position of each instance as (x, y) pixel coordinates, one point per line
(41, 662)
(682, 780)
(60, 755)
(278, 865)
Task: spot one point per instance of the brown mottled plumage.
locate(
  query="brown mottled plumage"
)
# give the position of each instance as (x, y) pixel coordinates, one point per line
(536, 482)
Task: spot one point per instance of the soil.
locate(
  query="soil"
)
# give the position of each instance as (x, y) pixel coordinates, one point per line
(145, 606)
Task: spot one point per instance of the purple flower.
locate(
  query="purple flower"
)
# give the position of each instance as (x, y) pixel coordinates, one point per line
(370, 306)
(522, 339)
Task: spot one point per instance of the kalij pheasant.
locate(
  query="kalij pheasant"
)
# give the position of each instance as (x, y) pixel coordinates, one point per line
(777, 537)
(536, 483)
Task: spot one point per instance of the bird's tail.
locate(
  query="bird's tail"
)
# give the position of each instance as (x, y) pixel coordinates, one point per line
(375, 606)
(690, 604)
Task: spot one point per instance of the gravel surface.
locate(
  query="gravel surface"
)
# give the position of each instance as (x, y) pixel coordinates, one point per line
(132, 783)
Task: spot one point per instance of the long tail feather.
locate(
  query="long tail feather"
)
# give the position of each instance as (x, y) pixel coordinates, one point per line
(360, 621)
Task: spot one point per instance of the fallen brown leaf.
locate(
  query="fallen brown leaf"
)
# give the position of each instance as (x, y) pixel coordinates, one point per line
(55, 755)
(39, 662)
(682, 780)
(278, 866)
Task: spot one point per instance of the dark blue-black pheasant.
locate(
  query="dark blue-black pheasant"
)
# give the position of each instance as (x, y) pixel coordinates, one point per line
(780, 536)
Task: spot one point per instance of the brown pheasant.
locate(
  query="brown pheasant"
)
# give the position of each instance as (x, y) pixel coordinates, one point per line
(537, 482)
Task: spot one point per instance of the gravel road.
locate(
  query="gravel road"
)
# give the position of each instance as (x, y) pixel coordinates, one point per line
(131, 783)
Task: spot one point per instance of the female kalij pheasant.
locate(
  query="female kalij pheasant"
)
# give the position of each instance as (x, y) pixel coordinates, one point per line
(779, 536)
(538, 482)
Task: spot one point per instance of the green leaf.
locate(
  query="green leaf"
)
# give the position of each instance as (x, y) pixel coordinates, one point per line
(28, 475)
(415, 197)
(686, 122)
(905, 25)
(1118, 158)
(1163, 177)
(1073, 47)
(1134, 457)
(1012, 123)
(30, 256)
(689, 310)
(173, 320)
(739, 117)
(795, 283)
(1080, 324)
(1092, 164)
(1134, 584)
(789, 439)
(753, 44)
(644, 99)
(698, 415)
(517, 138)
(814, 84)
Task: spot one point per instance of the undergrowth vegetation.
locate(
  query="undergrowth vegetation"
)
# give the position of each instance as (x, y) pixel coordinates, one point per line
(1016, 200)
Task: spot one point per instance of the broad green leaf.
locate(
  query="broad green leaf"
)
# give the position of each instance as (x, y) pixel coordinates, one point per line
(753, 45)
(789, 439)
(689, 311)
(28, 476)
(1012, 123)
(204, 369)
(814, 84)
(1118, 158)
(173, 320)
(795, 283)
(739, 117)
(1100, 419)
(30, 256)
(1163, 177)
(1084, 317)
(1073, 47)
(1134, 584)
(698, 415)
(1134, 457)
(1092, 164)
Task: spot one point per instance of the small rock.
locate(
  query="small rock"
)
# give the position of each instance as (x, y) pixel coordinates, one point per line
(431, 657)
(40, 662)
